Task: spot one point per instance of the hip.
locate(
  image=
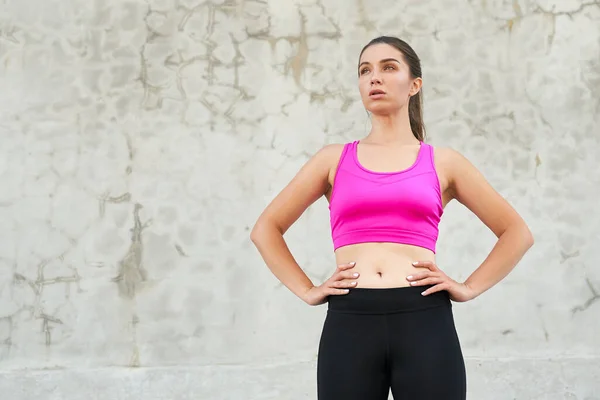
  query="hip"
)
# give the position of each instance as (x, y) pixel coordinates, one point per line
(379, 301)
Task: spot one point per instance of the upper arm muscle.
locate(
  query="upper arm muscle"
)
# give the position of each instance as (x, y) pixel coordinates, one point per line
(471, 189)
(308, 185)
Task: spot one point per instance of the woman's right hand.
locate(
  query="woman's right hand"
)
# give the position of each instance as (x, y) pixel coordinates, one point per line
(338, 284)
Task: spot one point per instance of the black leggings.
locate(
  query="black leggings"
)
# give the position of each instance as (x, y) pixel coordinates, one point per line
(377, 339)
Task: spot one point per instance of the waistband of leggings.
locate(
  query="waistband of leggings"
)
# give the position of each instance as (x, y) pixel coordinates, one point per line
(387, 300)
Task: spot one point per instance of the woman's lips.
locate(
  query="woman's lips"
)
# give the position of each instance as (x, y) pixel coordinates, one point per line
(376, 94)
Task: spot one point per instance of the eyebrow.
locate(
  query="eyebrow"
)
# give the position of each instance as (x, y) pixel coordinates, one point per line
(381, 62)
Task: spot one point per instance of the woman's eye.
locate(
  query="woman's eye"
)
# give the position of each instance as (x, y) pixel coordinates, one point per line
(388, 67)
(364, 70)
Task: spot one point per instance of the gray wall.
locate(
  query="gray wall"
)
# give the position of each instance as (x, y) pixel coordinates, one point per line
(139, 141)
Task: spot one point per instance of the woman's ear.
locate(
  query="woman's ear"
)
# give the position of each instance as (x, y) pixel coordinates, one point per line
(416, 86)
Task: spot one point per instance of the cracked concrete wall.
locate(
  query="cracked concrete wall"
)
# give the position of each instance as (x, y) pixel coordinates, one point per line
(140, 139)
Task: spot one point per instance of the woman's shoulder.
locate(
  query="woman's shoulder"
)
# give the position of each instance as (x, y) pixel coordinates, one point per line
(445, 155)
(452, 161)
(330, 153)
(333, 148)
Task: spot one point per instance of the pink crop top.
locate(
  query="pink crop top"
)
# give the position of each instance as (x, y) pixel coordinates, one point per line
(399, 207)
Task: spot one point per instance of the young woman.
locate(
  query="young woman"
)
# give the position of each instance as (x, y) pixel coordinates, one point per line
(389, 322)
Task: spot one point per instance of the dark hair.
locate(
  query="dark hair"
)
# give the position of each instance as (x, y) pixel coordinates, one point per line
(415, 104)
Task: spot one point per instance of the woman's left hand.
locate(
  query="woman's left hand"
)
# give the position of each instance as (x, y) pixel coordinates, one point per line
(459, 292)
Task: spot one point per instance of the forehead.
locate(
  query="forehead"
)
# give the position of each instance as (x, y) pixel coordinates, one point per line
(380, 51)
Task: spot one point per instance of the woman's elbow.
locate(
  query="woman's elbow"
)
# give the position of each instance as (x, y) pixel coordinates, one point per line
(527, 236)
(255, 233)
(259, 229)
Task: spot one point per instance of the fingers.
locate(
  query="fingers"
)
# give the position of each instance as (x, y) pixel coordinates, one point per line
(337, 292)
(343, 267)
(339, 287)
(425, 264)
(427, 278)
(343, 284)
(348, 275)
(343, 273)
(434, 280)
(419, 276)
(342, 280)
(436, 288)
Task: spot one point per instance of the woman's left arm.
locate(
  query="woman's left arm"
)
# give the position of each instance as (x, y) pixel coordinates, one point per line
(471, 189)
(467, 185)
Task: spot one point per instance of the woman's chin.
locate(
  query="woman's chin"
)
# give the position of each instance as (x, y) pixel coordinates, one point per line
(380, 108)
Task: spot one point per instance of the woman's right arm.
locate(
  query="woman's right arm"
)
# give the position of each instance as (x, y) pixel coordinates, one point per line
(309, 184)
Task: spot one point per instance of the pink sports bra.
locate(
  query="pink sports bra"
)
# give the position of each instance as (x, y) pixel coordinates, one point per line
(399, 207)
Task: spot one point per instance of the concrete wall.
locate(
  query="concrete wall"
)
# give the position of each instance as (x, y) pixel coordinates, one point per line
(139, 141)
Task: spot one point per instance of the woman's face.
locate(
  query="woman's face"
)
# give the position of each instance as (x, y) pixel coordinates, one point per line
(384, 79)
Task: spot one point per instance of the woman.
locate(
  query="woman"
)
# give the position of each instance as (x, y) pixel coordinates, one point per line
(389, 322)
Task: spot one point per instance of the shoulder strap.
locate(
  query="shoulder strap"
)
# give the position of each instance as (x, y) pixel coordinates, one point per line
(430, 154)
(345, 151)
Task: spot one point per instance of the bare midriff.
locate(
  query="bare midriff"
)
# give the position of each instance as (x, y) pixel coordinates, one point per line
(382, 265)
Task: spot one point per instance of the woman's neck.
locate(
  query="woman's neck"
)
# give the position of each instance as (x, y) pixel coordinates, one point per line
(391, 129)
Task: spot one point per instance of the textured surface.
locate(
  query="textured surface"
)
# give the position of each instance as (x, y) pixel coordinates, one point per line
(139, 141)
